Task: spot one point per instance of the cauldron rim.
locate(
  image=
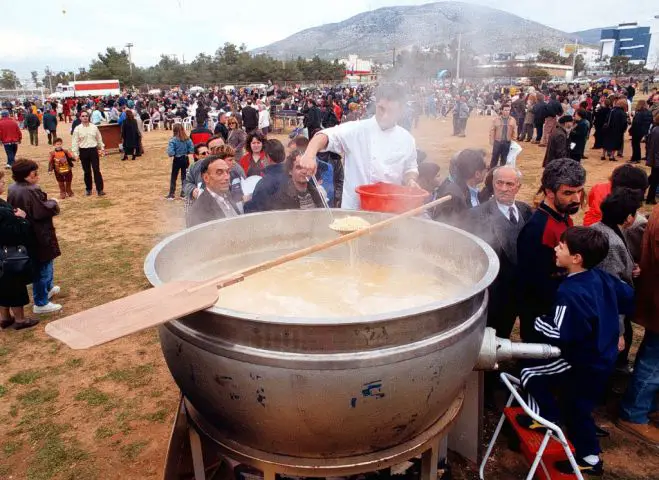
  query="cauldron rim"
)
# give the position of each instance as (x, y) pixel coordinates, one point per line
(465, 294)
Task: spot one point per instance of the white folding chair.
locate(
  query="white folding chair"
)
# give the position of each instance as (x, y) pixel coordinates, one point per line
(187, 124)
(178, 120)
(147, 125)
(553, 431)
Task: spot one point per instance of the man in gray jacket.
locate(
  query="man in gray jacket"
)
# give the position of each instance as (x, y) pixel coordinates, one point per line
(194, 185)
(215, 201)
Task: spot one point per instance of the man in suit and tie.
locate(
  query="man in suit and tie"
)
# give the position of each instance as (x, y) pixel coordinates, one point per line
(498, 221)
(215, 201)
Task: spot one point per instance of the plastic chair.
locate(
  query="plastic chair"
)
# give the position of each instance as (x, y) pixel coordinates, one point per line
(147, 125)
(553, 431)
(187, 124)
(178, 120)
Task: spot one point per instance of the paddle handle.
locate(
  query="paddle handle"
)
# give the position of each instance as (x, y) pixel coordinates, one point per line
(226, 280)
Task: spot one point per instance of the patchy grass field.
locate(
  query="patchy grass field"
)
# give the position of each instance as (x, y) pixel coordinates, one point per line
(106, 413)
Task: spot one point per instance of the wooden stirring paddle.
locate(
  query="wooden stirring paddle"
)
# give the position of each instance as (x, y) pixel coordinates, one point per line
(177, 299)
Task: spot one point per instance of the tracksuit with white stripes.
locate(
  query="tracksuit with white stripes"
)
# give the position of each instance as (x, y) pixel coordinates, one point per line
(584, 324)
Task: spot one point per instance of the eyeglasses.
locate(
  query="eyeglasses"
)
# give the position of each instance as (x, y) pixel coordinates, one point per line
(203, 154)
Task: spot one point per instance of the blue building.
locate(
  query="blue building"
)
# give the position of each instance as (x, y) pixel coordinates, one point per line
(627, 39)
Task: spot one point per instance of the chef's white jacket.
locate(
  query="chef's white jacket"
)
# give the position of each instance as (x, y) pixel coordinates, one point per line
(371, 155)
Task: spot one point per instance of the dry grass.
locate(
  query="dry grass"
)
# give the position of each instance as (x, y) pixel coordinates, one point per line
(106, 413)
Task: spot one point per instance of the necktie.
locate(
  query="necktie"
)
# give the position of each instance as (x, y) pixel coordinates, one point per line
(511, 215)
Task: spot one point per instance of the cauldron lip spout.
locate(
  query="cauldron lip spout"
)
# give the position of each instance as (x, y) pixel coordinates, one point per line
(468, 292)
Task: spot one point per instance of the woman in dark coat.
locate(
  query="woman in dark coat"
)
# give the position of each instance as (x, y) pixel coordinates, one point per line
(614, 130)
(14, 230)
(130, 136)
(600, 118)
(640, 127)
(28, 196)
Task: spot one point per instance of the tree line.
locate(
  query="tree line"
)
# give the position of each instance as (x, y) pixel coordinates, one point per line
(229, 64)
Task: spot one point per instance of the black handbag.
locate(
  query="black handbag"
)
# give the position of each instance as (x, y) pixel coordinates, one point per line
(15, 263)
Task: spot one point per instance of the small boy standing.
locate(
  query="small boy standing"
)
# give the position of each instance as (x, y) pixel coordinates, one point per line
(584, 324)
(61, 162)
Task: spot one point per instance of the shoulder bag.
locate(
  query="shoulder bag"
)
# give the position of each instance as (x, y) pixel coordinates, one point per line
(15, 263)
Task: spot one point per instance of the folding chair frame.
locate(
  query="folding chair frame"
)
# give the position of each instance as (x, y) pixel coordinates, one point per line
(513, 385)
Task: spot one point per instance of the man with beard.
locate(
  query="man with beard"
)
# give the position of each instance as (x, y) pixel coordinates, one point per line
(563, 185)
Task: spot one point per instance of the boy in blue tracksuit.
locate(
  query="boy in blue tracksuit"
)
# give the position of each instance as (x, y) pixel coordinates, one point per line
(584, 324)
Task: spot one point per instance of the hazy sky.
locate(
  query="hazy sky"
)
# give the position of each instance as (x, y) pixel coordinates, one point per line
(68, 33)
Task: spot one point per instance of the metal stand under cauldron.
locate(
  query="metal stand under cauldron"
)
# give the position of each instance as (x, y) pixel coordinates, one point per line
(197, 451)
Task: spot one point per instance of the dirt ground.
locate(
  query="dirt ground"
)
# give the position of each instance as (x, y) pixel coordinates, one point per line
(107, 413)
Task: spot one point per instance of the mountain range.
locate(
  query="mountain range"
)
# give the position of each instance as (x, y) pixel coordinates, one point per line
(374, 34)
(589, 37)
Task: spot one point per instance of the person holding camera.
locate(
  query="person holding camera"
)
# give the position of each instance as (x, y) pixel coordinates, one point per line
(15, 230)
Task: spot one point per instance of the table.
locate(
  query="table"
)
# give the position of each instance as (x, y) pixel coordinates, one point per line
(111, 134)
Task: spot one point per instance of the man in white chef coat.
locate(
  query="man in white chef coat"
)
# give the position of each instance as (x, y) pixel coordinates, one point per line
(375, 150)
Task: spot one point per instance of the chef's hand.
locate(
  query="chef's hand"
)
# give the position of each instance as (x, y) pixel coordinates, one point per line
(412, 183)
(308, 162)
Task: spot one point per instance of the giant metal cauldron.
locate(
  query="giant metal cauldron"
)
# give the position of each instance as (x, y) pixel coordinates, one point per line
(324, 387)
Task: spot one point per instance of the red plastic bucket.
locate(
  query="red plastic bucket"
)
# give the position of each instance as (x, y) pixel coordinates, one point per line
(391, 198)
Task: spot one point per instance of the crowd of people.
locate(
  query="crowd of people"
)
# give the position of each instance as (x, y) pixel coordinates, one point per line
(581, 288)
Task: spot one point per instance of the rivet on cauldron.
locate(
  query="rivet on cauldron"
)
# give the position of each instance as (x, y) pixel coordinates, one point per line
(260, 397)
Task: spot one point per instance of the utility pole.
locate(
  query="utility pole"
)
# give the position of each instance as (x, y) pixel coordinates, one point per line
(457, 67)
(574, 59)
(129, 46)
(50, 78)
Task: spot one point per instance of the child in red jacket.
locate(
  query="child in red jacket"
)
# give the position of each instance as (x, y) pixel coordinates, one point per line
(61, 162)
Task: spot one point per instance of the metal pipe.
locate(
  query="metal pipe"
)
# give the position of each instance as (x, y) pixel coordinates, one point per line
(495, 349)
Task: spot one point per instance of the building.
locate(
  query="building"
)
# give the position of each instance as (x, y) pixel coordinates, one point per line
(653, 54)
(632, 40)
(358, 70)
(590, 55)
(502, 69)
